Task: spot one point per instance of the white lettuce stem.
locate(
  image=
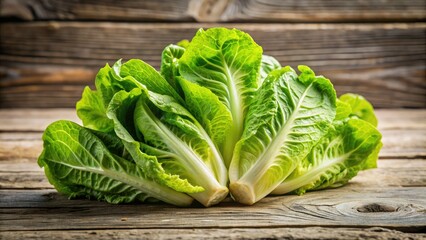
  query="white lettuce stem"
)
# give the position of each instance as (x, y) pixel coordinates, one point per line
(243, 192)
(218, 164)
(237, 111)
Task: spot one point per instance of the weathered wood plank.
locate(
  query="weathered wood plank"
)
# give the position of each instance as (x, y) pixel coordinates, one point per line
(401, 119)
(384, 62)
(24, 180)
(11, 150)
(31, 120)
(403, 143)
(389, 173)
(220, 233)
(393, 173)
(219, 11)
(396, 208)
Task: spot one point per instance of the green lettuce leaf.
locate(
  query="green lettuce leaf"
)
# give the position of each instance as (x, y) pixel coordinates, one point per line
(121, 110)
(147, 77)
(91, 108)
(287, 118)
(343, 110)
(78, 163)
(228, 63)
(360, 107)
(183, 43)
(172, 136)
(268, 64)
(349, 146)
(206, 107)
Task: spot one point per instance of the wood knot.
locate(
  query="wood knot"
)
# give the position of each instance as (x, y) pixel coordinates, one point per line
(50, 195)
(208, 10)
(53, 26)
(376, 207)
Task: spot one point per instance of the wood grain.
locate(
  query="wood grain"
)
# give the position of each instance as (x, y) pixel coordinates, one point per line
(46, 64)
(217, 11)
(308, 233)
(396, 208)
(32, 120)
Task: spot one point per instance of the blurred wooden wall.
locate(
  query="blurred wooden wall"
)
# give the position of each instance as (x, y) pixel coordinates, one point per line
(49, 50)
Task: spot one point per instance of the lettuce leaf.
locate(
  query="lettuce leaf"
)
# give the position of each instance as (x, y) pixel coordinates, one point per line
(287, 117)
(78, 164)
(267, 65)
(337, 158)
(228, 63)
(361, 108)
(175, 141)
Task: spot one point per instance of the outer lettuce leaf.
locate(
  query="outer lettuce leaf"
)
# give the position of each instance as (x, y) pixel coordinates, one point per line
(348, 147)
(147, 76)
(91, 110)
(228, 63)
(78, 164)
(121, 111)
(169, 127)
(343, 110)
(360, 107)
(103, 83)
(287, 118)
(183, 43)
(268, 64)
(173, 137)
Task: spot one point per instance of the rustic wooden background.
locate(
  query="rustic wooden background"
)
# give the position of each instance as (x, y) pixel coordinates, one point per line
(49, 50)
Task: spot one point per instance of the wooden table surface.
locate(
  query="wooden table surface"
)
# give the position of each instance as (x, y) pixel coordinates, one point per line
(50, 50)
(387, 202)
